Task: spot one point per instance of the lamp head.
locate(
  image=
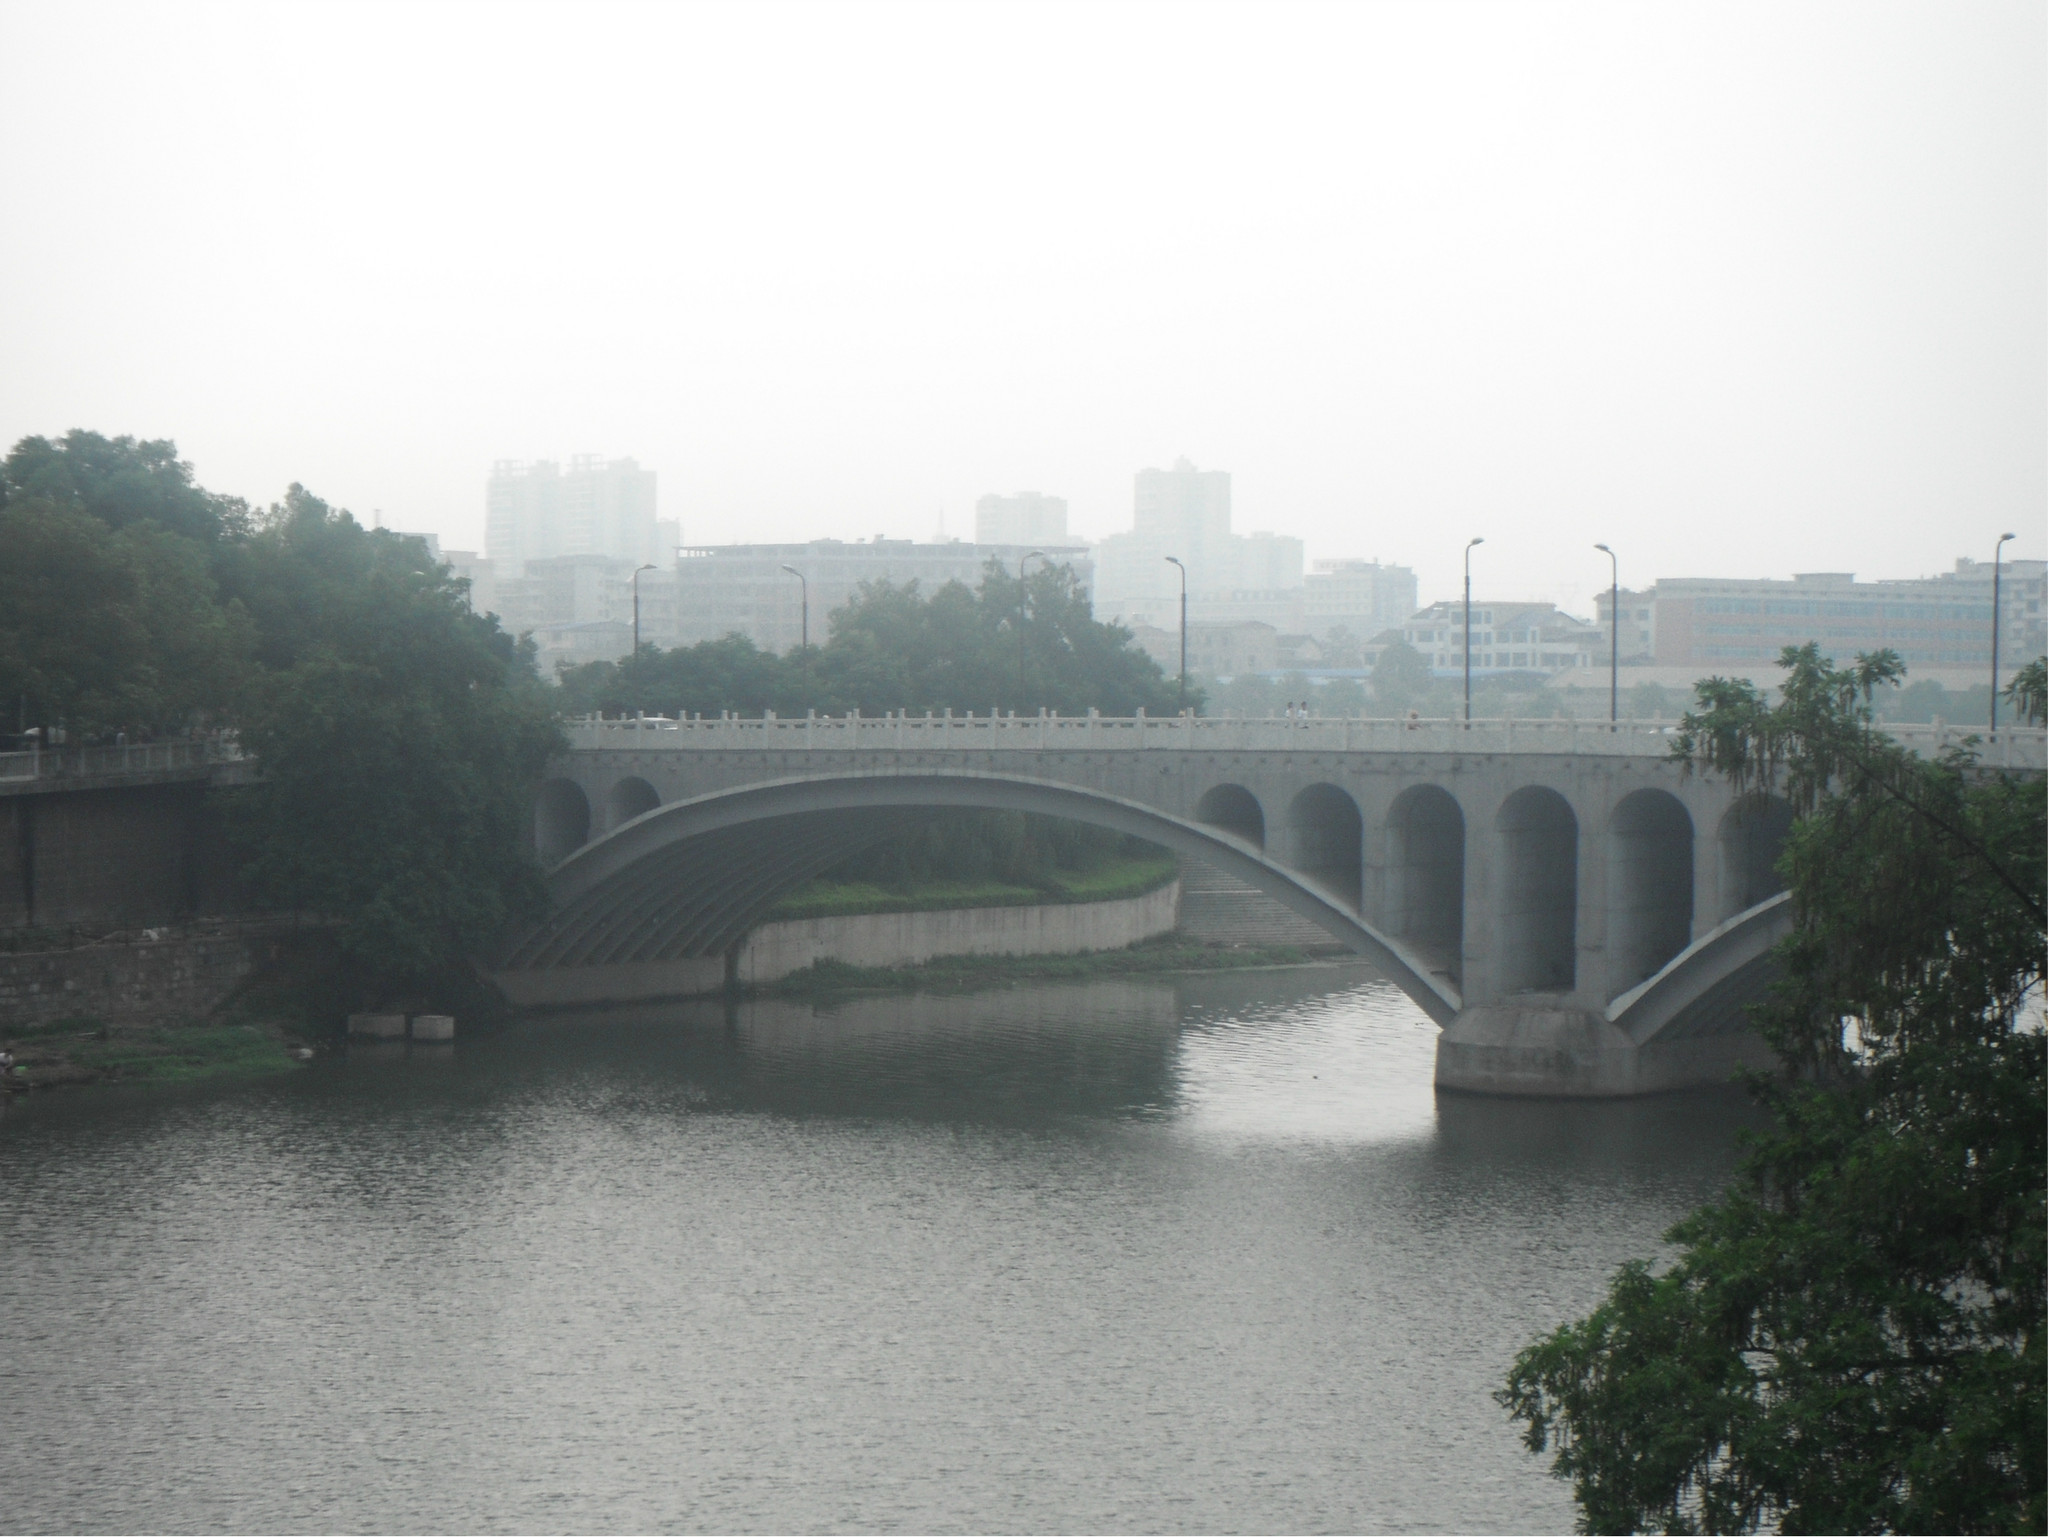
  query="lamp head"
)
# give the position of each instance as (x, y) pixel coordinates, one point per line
(1603, 547)
(2003, 537)
(1470, 542)
(792, 570)
(1174, 560)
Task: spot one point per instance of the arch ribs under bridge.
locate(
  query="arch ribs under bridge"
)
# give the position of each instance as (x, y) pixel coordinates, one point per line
(1580, 922)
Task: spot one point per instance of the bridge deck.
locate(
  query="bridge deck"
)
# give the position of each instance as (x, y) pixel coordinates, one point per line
(2015, 747)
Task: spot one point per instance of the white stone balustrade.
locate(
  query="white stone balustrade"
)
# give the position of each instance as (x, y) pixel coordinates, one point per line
(2020, 747)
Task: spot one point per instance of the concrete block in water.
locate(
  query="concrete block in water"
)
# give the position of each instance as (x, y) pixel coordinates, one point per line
(378, 1027)
(433, 1027)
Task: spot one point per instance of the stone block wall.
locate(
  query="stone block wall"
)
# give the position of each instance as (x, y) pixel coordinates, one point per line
(175, 978)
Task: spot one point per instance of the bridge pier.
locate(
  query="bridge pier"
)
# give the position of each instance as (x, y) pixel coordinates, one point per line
(1545, 1048)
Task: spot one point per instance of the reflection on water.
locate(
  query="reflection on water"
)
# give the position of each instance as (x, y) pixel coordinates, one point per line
(1203, 1253)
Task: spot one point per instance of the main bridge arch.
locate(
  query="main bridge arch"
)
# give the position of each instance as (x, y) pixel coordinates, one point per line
(691, 877)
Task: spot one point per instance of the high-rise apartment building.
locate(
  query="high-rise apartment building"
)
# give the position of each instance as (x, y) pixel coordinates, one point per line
(596, 507)
(1029, 518)
(1185, 512)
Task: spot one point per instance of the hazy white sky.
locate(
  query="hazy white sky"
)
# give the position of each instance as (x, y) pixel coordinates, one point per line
(1739, 289)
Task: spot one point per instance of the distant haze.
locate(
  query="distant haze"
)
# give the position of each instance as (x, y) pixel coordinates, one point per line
(1738, 289)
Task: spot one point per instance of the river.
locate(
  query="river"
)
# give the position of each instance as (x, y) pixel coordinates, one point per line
(1201, 1253)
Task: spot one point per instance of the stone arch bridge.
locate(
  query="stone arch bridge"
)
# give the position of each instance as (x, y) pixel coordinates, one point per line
(1579, 914)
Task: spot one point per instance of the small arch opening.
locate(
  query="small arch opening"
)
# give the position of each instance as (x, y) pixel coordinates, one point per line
(1752, 837)
(561, 820)
(1425, 878)
(1326, 838)
(629, 798)
(1539, 892)
(1236, 810)
(1649, 885)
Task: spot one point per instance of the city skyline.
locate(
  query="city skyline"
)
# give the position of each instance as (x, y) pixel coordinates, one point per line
(1748, 292)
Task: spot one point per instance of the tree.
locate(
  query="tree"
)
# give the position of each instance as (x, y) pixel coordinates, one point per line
(399, 736)
(1019, 645)
(1851, 1339)
(711, 676)
(120, 481)
(104, 629)
(1402, 680)
(2028, 691)
(1010, 645)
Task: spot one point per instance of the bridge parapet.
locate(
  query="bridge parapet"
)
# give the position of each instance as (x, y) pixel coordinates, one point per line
(218, 759)
(2018, 747)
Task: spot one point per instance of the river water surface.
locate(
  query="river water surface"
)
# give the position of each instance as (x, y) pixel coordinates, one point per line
(1204, 1253)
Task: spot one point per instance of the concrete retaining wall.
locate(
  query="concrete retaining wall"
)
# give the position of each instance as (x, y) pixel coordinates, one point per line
(113, 857)
(774, 950)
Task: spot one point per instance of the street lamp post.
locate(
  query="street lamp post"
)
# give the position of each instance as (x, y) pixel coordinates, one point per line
(636, 608)
(1174, 561)
(805, 644)
(1468, 628)
(1997, 555)
(1023, 648)
(1614, 638)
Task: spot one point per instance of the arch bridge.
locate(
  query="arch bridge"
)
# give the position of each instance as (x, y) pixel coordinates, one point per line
(1579, 915)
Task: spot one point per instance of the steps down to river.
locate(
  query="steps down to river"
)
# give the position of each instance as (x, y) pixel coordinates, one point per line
(1219, 907)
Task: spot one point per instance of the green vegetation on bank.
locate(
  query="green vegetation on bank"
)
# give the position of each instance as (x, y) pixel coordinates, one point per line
(825, 898)
(968, 973)
(1851, 1339)
(72, 1052)
(954, 859)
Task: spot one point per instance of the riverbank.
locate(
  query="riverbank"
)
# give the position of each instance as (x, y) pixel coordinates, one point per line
(1167, 954)
(73, 1053)
(216, 998)
(1117, 880)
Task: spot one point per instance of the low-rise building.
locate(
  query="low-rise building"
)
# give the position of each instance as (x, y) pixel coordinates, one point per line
(563, 592)
(1226, 650)
(1027, 518)
(1934, 623)
(1361, 597)
(1506, 637)
(746, 589)
(1638, 624)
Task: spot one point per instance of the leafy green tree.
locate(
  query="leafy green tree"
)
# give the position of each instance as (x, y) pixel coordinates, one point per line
(1014, 645)
(121, 481)
(704, 679)
(1650, 701)
(2028, 691)
(399, 736)
(1849, 1340)
(103, 630)
(1402, 681)
(1008, 645)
